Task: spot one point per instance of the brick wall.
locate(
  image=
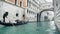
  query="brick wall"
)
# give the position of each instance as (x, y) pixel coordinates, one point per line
(10, 1)
(23, 4)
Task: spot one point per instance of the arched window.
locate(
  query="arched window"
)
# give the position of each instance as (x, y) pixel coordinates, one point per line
(16, 14)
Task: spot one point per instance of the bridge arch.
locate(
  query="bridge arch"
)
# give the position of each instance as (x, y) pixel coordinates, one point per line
(39, 14)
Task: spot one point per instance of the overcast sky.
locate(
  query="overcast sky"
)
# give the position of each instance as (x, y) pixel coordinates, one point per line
(49, 0)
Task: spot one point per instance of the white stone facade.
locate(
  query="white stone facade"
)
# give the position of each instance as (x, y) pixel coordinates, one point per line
(57, 13)
(12, 10)
(32, 9)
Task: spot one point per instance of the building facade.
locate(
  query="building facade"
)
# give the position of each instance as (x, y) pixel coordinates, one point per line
(32, 9)
(57, 13)
(27, 9)
(15, 8)
(20, 3)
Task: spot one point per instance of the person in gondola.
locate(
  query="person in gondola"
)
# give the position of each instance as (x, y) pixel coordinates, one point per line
(5, 16)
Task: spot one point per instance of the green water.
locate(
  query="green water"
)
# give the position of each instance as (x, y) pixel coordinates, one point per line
(30, 28)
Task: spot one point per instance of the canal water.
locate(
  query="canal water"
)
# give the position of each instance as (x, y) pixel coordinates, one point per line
(30, 28)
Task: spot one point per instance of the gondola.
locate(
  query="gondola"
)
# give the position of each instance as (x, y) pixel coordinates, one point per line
(13, 24)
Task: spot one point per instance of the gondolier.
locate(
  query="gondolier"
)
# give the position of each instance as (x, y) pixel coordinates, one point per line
(5, 16)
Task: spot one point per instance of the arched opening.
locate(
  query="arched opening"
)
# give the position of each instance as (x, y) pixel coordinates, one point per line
(45, 17)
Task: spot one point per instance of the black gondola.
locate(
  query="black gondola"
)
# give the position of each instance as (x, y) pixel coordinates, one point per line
(12, 24)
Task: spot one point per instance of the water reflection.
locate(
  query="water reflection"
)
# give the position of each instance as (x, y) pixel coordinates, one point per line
(30, 28)
(47, 28)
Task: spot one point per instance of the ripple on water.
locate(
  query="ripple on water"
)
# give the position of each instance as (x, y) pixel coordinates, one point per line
(30, 28)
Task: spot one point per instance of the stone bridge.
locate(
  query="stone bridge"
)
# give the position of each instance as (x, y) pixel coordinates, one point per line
(39, 14)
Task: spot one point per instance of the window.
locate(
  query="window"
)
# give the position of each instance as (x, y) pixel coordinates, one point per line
(20, 3)
(15, 2)
(23, 15)
(27, 2)
(27, 11)
(16, 14)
